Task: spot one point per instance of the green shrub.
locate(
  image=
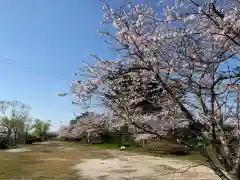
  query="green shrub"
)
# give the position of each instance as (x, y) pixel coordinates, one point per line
(3, 143)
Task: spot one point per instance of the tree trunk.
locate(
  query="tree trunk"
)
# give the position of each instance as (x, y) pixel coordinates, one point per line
(236, 172)
(223, 175)
(42, 138)
(15, 138)
(216, 165)
(9, 137)
(26, 137)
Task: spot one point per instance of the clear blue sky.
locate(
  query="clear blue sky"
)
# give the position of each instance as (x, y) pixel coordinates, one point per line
(41, 44)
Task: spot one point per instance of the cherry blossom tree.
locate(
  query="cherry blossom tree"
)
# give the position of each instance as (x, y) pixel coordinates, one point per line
(182, 63)
(86, 126)
(63, 132)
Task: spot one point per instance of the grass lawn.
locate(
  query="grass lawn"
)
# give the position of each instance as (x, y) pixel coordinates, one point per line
(51, 161)
(193, 156)
(104, 146)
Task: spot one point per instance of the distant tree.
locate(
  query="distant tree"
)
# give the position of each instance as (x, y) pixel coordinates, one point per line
(63, 132)
(13, 116)
(73, 121)
(40, 128)
(82, 125)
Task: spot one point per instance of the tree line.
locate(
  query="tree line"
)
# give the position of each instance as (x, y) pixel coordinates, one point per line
(17, 126)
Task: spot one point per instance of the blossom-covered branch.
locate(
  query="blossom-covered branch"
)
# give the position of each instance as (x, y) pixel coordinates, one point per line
(174, 72)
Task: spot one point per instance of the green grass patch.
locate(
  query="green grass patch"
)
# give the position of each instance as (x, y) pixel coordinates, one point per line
(46, 161)
(105, 146)
(192, 156)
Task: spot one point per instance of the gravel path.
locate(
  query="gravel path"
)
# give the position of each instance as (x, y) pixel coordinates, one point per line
(128, 166)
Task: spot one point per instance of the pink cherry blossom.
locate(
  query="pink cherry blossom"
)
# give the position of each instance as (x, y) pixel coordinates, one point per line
(170, 74)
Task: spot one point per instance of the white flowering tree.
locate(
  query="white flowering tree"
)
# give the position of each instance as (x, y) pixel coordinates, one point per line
(63, 132)
(85, 126)
(183, 64)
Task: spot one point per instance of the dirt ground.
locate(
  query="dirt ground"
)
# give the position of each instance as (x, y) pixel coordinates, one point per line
(70, 161)
(131, 166)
